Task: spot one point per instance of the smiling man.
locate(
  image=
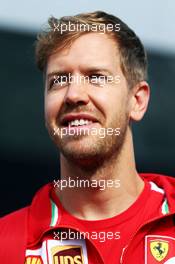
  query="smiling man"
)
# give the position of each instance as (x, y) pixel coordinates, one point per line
(101, 210)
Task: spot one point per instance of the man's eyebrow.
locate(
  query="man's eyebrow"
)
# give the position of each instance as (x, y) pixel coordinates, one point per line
(98, 69)
(88, 70)
(57, 73)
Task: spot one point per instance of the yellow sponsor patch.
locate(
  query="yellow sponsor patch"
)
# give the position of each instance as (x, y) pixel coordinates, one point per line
(159, 249)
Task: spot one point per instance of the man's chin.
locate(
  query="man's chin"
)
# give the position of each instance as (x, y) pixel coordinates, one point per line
(77, 143)
(91, 150)
(86, 161)
(82, 152)
(78, 150)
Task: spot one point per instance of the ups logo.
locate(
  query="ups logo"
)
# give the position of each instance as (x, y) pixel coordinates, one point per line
(67, 255)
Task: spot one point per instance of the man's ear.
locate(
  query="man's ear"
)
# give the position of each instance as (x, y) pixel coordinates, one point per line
(140, 95)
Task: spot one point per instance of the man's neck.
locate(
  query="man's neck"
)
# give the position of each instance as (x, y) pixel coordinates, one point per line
(119, 185)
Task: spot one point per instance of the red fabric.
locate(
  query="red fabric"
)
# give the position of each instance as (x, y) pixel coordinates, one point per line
(14, 227)
(119, 228)
(13, 237)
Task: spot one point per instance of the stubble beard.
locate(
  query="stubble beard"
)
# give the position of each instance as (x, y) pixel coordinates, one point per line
(90, 152)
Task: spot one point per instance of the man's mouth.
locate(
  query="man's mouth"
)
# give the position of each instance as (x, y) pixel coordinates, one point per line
(78, 120)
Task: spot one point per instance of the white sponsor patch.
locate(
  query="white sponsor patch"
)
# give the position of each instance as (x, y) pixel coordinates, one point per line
(58, 252)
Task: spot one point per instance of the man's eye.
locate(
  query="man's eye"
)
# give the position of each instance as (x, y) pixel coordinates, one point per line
(98, 79)
(61, 80)
(96, 76)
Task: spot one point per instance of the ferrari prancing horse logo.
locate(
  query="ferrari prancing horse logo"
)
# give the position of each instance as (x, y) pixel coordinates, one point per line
(159, 249)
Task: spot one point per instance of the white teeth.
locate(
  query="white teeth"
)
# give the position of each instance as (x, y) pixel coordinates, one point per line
(79, 122)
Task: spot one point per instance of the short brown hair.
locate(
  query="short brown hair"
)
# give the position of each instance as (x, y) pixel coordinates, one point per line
(132, 53)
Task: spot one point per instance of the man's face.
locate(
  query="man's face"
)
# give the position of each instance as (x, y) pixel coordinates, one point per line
(87, 105)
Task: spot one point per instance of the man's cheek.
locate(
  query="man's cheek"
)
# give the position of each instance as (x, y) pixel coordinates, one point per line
(52, 107)
(48, 111)
(50, 117)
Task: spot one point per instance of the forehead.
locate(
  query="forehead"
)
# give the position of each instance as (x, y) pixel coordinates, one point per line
(89, 50)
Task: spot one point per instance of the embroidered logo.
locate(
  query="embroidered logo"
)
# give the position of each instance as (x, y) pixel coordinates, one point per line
(67, 254)
(159, 249)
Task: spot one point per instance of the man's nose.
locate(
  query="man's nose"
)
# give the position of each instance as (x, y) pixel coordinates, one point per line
(77, 91)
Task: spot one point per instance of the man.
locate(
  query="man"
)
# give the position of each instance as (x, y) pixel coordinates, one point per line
(101, 210)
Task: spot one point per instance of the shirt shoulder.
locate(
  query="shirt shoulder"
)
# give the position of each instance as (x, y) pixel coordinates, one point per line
(13, 219)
